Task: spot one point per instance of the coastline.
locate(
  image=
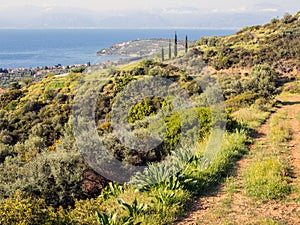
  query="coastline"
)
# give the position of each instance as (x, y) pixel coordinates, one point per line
(125, 52)
(9, 75)
(118, 52)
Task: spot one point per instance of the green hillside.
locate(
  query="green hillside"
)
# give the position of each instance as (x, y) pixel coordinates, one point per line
(44, 178)
(273, 43)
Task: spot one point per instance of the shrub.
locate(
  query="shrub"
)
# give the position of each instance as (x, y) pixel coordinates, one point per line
(137, 71)
(19, 210)
(158, 71)
(242, 100)
(147, 107)
(32, 106)
(262, 81)
(7, 97)
(288, 18)
(55, 177)
(5, 150)
(78, 69)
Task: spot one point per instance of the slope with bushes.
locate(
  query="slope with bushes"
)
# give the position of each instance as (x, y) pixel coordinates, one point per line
(275, 43)
(44, 178)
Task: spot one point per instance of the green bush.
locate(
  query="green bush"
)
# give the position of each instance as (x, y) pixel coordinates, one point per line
(78, 69)
(241, 101)
(55, 177)
(18, 210)
(5, 150)
(158, 71)
(147, 107)
(262, 81)
(9, 96)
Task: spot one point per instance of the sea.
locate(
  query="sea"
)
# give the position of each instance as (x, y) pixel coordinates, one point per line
(37, 48)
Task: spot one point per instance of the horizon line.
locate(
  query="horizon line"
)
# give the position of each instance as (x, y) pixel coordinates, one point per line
(121, 28)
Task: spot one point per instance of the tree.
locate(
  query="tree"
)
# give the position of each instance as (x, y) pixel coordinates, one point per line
(162, 54)
(170, 50)
(15, 85)
(186, 44)
(175, 45)
(27, 81)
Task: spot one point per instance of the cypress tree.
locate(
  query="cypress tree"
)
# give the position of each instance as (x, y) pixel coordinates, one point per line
(186, 44)
(170, 50)
(162, 54)
(175, 45)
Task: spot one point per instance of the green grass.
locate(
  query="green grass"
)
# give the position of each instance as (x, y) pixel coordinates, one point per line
(250, 117)
(130, 66)
(264, 179)
(268, 222)
(280, 131)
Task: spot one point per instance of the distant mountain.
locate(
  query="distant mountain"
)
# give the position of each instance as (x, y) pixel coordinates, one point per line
(52, 17)
(130, 20)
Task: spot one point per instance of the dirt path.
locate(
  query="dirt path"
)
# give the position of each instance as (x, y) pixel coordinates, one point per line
(230, 205)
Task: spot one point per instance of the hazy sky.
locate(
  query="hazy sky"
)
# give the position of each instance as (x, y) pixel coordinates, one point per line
(120, 5)
(141, 13)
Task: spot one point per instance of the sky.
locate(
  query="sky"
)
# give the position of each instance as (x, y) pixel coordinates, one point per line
(151, 13)
(123, 5)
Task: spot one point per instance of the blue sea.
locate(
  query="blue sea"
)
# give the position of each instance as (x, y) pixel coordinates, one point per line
(36, 48)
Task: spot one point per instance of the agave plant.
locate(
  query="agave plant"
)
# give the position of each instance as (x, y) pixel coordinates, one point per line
(112, 190)
(104, 219)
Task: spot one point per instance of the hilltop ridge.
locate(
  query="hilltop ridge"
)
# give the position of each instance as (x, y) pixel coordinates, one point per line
(274, 43)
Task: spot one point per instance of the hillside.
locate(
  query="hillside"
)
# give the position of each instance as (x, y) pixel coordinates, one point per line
(274, 43)
(53, 171)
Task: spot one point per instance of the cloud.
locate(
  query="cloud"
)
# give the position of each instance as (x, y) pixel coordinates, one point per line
(267, 7)
(172, 11)
(231, 10)
(269, 10)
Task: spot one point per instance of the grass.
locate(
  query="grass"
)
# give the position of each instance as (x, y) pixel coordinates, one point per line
(129, 66)
(268, 222)
(298, 115)
(233, 147)
(231, 186)
(293, 87)
(280, 133)
(266, 177)
(251, 117)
